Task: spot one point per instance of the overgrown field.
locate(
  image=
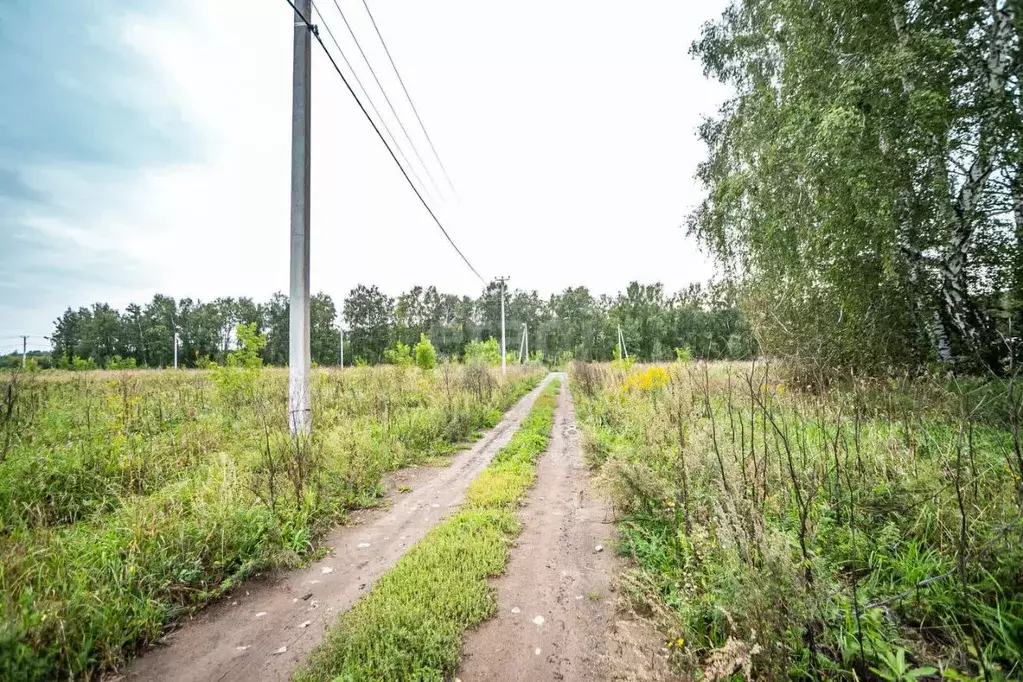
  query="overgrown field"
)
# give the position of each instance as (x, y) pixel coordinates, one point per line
(130, 498)
(865, 530)
(410, 626)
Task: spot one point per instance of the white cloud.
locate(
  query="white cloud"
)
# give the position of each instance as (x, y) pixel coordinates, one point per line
(567, 127)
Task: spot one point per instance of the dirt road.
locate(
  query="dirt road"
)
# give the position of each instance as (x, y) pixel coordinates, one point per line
(266, 627)
(557, 617)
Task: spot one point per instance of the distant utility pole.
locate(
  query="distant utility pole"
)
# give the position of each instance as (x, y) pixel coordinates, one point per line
(299, 354)
(621, 343)
(504, 366)
(24, 351)
(524, 344)
(341, 354)
(175, 350)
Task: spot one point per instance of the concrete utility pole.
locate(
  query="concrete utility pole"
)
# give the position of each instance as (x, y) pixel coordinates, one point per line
(522, 345)
(299, 354)
(341, 334)
(504, 366)
(175, 350)
(621, 343)
(24, 351)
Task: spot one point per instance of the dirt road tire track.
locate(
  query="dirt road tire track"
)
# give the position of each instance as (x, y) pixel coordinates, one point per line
(556, 573)
(266, 627)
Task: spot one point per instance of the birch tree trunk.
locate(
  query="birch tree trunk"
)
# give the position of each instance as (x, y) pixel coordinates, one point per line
(968, 322)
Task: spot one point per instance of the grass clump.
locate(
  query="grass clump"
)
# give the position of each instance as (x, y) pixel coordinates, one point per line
(410, 626)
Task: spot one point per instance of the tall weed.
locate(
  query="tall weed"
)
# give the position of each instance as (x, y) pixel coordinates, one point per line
(130, 498)
(820, 529)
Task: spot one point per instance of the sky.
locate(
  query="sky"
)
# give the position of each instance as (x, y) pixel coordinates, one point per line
(145, 148)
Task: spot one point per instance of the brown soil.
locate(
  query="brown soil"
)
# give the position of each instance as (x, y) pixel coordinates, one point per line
(263, 629)
(557, 617)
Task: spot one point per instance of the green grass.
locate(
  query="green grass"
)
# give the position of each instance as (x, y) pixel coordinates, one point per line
(129, 499)
(716, 526)
(409, 627)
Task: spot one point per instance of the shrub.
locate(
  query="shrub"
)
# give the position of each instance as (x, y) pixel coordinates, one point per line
(483, 352)
(426, 355)
(250, 348)
(117, 362)
(236, 380)
(400, 355)
(82, 364)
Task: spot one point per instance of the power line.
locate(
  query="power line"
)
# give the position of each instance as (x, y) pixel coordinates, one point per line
(365, 92)
(409, 98)
(390, 151)
(415, 150)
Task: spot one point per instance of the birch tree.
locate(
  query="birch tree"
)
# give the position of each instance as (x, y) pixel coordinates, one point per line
(863, 184)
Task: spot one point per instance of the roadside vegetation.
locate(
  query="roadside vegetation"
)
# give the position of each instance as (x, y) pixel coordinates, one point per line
(409, 627)
(784, 528)
(130, 498)
(856, 511)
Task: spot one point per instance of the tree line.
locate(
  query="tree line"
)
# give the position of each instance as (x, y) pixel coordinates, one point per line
(865, 183)
(574, 323)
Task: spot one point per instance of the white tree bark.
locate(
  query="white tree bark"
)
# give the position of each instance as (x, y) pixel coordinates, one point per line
(961, 311)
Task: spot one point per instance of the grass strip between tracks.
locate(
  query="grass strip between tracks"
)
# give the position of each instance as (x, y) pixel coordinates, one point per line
(409, 627)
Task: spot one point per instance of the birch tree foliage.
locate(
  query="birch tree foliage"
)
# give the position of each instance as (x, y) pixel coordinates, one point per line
(863, 183)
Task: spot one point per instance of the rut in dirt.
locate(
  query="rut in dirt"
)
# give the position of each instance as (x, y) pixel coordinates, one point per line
(264, 629)
(557, 616)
